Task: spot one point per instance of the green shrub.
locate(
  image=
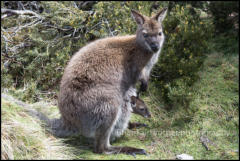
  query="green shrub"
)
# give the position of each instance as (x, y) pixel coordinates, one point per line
(225, 16)
(183, 54)
(221, 11)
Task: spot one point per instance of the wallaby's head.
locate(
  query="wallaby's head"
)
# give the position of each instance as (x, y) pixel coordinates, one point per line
(139, 107)
(150, 33)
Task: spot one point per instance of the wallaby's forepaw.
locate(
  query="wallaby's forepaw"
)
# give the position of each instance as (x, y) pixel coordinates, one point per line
(143, 86)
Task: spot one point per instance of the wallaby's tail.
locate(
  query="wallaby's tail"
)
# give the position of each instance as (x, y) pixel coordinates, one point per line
(32, 112)
(54, 126)
(58, 129)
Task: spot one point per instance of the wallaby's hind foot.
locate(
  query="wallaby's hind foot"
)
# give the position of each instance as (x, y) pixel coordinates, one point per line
(126, 150)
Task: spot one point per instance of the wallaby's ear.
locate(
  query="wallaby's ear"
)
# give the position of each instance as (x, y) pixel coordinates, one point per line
(138, 17)
(161, 15)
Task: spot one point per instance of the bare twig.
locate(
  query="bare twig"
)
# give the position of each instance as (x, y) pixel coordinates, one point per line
(31, 24)
(109, 29)
(47, 25)
(11, 12)
(75, 5)
(20, 5)
(6, 42)
(4, 16)
(88, 30)
(15, 48)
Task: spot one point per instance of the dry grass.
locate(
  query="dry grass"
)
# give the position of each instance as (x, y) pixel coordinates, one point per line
(24, 138)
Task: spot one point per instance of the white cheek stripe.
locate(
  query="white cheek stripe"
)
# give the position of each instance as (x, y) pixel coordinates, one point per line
(161, 43)
(148, 46)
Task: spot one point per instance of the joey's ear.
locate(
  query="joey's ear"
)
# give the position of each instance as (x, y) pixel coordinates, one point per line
(161, 15)
(138, 17)
(133, 99)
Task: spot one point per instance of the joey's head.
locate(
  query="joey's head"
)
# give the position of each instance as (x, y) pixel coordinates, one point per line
(150, 32)
(139, 107)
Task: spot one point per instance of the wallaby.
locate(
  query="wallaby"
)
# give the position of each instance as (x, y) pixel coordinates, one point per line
(139, 108)
(97, 80)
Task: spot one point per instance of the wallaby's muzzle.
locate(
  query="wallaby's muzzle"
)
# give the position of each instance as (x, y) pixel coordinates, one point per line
(148, 115)
(154, 47)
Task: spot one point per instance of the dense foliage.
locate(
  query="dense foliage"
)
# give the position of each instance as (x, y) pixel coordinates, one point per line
(225, 16)
(183, 54)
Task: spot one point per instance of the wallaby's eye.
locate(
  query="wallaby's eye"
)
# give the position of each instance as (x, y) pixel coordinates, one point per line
(145, 34)
(160, 33)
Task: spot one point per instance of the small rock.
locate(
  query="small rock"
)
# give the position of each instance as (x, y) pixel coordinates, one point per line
(236, 151)
(184, 157)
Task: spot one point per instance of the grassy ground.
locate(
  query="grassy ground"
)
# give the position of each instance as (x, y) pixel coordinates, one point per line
(213, 114)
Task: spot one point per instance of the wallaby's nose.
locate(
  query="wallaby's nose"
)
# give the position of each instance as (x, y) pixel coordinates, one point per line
(154, 47)
(148, 115)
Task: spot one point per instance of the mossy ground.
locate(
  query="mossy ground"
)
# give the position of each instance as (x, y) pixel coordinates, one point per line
(213, 113)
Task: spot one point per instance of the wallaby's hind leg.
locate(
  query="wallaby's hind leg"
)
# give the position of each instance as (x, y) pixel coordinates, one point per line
(103, 133)
(101, 144)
